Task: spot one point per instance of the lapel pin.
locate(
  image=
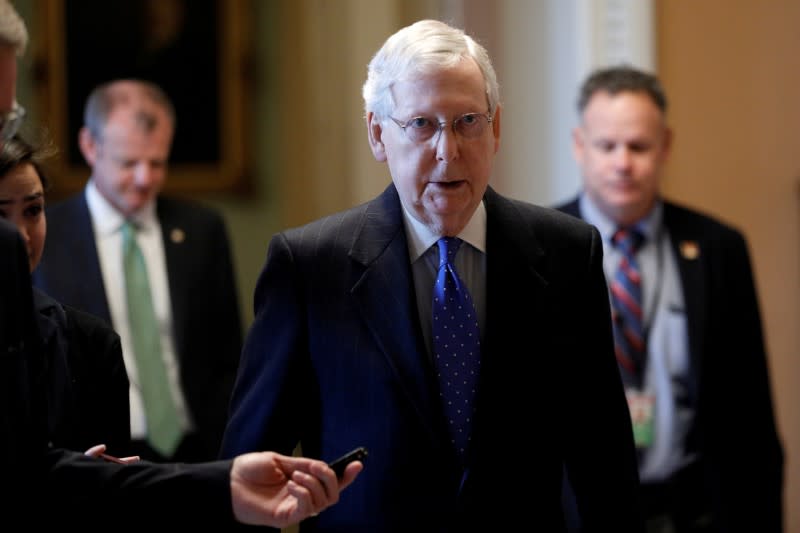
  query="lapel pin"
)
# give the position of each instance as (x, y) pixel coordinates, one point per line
(690, 250)
(177, 235)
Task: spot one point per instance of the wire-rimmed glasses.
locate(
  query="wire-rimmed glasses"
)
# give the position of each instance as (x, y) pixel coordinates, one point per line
(422, 129)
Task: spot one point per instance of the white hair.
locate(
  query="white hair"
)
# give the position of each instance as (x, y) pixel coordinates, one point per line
(421, 47)
(12, 28)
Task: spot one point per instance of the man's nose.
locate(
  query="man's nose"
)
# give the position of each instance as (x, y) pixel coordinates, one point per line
(446, 143)
(144, 174)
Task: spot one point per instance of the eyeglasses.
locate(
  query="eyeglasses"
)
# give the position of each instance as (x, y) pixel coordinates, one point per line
(422, 129)
(10, 121)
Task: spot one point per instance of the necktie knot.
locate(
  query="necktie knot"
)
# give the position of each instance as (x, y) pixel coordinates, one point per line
(448, 246)
(628, 240)
(128, 229)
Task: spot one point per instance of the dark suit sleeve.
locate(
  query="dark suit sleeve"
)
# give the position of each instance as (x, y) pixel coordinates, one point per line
(269, 399)
(600, 457)
(101, 381)
(87, 491)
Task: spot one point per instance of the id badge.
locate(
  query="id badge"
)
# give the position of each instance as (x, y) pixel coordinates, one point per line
(641, 407)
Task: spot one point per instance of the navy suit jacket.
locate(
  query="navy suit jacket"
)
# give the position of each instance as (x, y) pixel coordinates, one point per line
(205, 309)
(734, 428)
(336, 359)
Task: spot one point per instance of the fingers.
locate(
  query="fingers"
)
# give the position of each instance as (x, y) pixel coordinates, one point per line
(290, 463)
(350, 474)
(313, 483)
(323, 473)
(95, 451)
(320, 487)
(304, 500)
(99, 451)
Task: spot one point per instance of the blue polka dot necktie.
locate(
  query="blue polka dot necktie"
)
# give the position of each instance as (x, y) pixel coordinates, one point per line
(456, 345)
(626, 308)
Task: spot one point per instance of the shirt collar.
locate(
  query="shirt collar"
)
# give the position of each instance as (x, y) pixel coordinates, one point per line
(108, 220)
(648, 226)
(420, 238)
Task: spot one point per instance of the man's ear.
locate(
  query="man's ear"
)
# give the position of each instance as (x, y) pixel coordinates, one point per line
(375, 134)
(669, 138)
(578, 144)
(88, 145)
(496, 127)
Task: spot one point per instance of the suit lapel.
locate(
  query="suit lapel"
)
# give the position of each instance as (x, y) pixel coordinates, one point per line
(173, 235)
(513, 253)
(689, 248)
(91, 296)
(386, 283)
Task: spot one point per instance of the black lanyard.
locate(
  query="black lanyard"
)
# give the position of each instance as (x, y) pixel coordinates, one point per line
(648, 324)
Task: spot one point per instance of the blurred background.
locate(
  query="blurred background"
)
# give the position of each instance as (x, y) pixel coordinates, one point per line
(289, 143)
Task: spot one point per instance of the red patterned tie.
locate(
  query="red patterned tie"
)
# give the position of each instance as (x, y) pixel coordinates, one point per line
(626, 303)
(456, 345)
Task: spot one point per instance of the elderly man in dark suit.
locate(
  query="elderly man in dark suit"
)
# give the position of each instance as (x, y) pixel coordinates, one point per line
(699, 392)
(467, 429)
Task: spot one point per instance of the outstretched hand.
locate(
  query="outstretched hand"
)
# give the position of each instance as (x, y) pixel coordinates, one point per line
(277, 490)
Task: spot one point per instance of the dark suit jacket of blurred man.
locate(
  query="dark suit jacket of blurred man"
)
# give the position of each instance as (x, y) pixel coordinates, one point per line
(205, 310)
(734, 431)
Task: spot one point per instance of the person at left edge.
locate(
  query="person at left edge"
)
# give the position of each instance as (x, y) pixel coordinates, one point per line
(87, 382)
(126, 140)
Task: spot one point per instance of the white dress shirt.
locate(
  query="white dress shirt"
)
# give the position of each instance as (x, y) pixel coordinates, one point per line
(107, 223)
(665, 325)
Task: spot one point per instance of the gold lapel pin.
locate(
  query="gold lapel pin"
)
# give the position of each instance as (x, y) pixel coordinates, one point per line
(690, 250)
(177, 235)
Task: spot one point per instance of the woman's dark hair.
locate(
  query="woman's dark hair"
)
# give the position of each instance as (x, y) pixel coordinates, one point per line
(17, 151)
